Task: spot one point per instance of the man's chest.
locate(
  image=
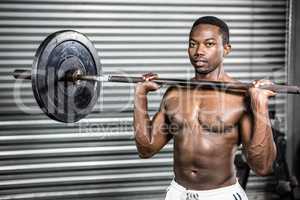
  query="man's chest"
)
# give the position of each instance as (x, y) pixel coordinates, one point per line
(212, 110)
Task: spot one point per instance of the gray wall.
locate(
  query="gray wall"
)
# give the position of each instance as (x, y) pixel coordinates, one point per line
(294, 100)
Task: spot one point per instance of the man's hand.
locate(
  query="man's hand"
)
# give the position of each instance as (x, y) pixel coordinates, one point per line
(148, 85)
(259, 97)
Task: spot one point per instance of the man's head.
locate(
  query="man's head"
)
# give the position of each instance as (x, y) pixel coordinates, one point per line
(224, 30)
(208, 44)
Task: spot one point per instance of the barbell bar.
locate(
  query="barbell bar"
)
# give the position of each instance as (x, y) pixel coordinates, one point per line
(66, 77)
(76, 76)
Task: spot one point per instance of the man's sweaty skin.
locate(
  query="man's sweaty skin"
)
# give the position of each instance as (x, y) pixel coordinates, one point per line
(207, 125)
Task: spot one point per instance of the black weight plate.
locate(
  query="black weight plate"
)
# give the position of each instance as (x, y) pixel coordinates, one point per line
(62, 52)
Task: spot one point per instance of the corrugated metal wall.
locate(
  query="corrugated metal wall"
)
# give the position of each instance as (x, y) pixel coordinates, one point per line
(96, 158)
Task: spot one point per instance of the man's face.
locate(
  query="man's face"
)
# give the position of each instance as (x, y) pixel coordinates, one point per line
(206, 49)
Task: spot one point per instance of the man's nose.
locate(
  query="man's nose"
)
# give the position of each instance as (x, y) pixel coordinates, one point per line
(200, 50)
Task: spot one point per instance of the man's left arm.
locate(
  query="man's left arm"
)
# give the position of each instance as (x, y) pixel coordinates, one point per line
(256, 131)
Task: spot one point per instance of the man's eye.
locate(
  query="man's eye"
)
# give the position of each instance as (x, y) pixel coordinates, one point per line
(192, 45)
(210, 44)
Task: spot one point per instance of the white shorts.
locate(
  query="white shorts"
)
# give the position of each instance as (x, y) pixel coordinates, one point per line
(232, 192)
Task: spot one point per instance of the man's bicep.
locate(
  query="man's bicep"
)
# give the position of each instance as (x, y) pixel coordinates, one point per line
(160, 135)
(160, 130)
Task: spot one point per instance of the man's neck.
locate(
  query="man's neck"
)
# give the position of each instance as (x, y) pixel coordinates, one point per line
(216, 75)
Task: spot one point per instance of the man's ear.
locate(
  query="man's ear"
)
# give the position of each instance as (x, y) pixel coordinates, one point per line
(227, 49)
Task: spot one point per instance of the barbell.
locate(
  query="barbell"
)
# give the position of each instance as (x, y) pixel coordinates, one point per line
(66, 77)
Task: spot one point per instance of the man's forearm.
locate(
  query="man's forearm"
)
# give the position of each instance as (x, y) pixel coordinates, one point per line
(142, 123)
(261, 151)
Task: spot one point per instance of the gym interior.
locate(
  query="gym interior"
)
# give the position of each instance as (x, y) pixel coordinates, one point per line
(96, 157)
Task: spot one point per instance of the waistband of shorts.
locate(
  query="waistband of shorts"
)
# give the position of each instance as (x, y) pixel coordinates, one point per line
(231, 188)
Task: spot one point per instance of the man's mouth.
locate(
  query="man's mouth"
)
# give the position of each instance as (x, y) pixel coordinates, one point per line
(200, 62)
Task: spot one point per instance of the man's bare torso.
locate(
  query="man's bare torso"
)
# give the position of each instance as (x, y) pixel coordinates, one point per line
(204, 125)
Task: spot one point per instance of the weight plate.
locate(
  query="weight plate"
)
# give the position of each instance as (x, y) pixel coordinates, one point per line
(60, 53)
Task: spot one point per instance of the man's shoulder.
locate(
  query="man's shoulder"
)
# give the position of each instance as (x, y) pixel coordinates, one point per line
(237, 97)
(171, 91)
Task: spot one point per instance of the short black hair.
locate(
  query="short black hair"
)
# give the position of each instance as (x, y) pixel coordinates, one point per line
(214, 21)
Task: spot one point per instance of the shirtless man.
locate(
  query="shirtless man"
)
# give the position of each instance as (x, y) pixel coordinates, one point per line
(207, 125)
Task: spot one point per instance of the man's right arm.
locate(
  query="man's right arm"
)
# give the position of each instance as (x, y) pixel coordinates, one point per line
(150, 135)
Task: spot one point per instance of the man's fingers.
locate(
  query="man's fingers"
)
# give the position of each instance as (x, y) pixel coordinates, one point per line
(258, 87)
(266, 82)
(152, 86)
(149, 76)
(269, 93)
(148, 85)
(262, 82)
(256, 83)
